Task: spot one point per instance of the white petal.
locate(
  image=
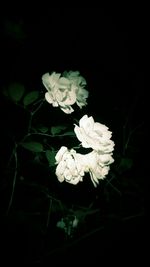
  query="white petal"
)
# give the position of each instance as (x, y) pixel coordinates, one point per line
(100, 127)
(67, 109)
(75, 180)
(55, 77)
(105, 159)
(67, 175)
(82, 120)
(49, 98)
(86, 123)
(59, 172)
(60, 153)
(93, 179)
(64, 82)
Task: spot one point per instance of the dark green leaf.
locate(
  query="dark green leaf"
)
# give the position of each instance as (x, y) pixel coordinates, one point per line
(33, 146)
(43, 129)
(30, 98)
(16, 91)
(57, 129)
(50, 155)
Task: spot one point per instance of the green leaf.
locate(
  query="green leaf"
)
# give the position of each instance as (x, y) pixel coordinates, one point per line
(33, 146)
(57, 129)
(43, 129)
(16, 91)
(50, 155)
(30, 98)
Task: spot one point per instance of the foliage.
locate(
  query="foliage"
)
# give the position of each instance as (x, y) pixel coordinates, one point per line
(68, 212)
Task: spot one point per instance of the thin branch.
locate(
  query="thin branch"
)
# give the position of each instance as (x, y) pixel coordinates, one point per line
(30, 122)
(11, 157)
(42, 101)
(33, 113)
(49, 211)
(38, 101)
(133, 216)
(14, 179)
(117, 190)
(44, 134)
(129, 116)
(130, 134)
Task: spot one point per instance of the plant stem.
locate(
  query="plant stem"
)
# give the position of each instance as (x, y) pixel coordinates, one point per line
(49, 211)
(14, 179)
(130, 134)
(43, 134)
(30, 122)
(42, 101)
(33, 113)
(117, 190)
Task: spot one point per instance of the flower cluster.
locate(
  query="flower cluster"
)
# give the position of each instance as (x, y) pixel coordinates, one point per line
(65, 90)
(72, 166)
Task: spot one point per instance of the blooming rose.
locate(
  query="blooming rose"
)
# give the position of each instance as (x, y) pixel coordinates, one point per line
(94, 135)
(78, 83)
(60, 93)
(65, 90)
(97, 165)
(70, 167)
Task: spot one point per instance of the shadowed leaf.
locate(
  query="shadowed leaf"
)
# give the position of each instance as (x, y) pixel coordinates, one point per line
(57, 129)
(33, 146)
(16, 91)
(50, 155)
(30, 98)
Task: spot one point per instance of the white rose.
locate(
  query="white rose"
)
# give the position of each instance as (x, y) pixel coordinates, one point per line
(97, 165)
(78, 83)
(64, 91)
(94, 135)
(60, 92)
(70, 167)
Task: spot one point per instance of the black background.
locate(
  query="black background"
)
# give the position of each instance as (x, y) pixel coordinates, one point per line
(107, 46)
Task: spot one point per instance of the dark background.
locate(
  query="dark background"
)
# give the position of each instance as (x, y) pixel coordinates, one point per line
(107, 46)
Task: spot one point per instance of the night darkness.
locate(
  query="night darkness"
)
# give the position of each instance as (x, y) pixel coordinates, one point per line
(107, 47)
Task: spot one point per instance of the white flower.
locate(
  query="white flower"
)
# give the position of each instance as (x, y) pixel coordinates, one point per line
(94, 135)
(70, 167)
(98, 165)
(64, 91)
(60, 93)
(78, 82)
